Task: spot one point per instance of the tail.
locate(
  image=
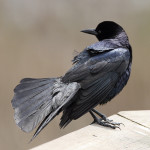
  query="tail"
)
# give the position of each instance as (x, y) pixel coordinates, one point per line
(40, 100)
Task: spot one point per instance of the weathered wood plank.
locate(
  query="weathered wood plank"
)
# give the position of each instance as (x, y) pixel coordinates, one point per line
(94, 137)
(140, 116)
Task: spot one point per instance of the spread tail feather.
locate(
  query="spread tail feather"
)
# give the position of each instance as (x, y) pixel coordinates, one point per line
(40, 100)
(32, 102)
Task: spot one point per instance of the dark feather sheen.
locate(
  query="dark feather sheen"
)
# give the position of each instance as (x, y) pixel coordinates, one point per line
(98, 74)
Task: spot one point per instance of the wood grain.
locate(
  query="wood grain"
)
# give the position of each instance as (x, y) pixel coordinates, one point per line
(135, 135)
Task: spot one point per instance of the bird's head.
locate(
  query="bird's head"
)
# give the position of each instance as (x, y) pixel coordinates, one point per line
(106, 30)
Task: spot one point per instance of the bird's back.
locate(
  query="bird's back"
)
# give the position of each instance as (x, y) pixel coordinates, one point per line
(102, 75)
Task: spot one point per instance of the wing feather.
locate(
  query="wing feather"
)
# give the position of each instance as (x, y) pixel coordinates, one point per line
(102, 73)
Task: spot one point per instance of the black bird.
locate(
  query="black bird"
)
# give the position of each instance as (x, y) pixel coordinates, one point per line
(99, 73)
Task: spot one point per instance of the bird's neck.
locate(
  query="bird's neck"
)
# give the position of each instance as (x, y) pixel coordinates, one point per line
(123, 39)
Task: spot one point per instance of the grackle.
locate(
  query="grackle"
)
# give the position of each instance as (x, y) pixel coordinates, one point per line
(98, 74)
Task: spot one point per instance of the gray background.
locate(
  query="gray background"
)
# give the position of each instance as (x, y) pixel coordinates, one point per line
(38, 39)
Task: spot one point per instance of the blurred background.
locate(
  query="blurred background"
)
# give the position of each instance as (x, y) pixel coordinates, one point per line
(38, 39)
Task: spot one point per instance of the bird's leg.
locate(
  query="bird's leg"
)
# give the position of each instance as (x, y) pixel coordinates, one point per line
(103, 120)
(94, 117)
(100, 114)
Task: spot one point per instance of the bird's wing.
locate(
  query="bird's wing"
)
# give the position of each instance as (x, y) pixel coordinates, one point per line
(81, 57)
(96, 48)
(97, 65)
(98, 77)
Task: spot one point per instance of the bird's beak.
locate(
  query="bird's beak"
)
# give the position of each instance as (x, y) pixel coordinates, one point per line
(90, 31)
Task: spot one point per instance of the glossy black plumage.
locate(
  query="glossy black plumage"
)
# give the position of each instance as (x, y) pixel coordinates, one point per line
(99, 73)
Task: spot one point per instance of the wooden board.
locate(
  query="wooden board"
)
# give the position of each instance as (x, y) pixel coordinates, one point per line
(132, 136)
(141, 117)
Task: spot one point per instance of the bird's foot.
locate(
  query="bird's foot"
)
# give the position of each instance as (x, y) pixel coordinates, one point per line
(107, 123)
(103, 121)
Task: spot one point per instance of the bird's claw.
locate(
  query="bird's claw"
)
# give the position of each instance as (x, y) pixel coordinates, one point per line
(104, 121)
(113, 123)
(107, 123)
